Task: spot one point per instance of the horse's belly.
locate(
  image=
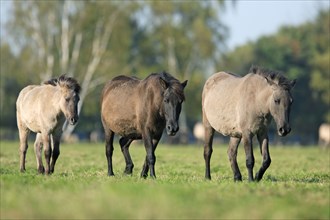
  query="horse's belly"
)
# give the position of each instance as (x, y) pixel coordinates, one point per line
(222, 116)
(225, 126)
(125, 128)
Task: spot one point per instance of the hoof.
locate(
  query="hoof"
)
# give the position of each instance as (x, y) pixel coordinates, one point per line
(41, 170)
(22, 170)
(144, 175)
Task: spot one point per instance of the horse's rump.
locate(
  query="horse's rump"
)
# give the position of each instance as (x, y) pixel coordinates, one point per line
(221, 95)
(119, 104)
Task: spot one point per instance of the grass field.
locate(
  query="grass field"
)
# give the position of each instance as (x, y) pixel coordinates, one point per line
(296, 186)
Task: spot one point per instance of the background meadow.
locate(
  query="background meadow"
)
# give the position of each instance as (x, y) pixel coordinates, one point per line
(295, 186)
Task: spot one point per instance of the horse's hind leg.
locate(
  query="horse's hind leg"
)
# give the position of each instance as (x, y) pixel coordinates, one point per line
(232, 155)
(124, 144)
(109, 149)
(23, 136)
(38, 152)
(208, 141)
(263, 142)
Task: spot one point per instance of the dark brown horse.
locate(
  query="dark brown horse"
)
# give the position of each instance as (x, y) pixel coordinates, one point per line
(241, 107)
(140, 109)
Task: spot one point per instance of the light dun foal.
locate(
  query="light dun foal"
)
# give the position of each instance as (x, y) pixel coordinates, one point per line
(43, 109)
(241, 107)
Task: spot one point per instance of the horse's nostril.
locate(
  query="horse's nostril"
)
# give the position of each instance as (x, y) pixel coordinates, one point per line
(169, 128)
(73, 120)
(281, 130)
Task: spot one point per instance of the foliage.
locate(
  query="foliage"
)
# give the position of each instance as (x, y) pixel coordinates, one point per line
(302, 53)
(296, 186)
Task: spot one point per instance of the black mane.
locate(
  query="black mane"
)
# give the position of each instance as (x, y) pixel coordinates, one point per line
(66, 81)
(272, 75)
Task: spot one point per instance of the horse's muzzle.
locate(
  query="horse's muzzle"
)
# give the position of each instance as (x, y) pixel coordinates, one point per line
(73, 120)
(283, 131)
(172, 129)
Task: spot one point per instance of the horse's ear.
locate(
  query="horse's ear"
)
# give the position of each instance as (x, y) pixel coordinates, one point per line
(184, 83)
(292, 83)
(163, 82)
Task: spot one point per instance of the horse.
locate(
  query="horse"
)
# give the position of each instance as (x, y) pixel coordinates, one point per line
(140, 109)
(324, 135)
(242, 107)
(43, 109)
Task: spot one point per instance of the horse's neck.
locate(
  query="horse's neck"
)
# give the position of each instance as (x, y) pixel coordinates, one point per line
(263, 99)
(54, 98)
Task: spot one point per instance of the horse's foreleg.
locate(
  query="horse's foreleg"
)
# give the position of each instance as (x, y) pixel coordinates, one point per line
(232, 155)
(150, 158)
(38, 152)
(109, 149)
(145, 169)
(47, 151)
(23, 136)
(56, 151)
(209, 132)
(124, 144)
(247, 141)
(264, 148)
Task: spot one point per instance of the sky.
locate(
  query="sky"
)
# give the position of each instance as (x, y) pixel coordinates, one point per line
(249, 19)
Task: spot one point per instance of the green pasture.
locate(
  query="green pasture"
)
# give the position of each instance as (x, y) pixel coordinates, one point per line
(296, 186)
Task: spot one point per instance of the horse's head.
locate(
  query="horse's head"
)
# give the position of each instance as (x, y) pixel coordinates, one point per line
(280, 104)
(70, 97)
(172, 102)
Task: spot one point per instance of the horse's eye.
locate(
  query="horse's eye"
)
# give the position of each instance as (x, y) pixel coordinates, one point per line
(277, 101)
(67, 99)
(166, 100)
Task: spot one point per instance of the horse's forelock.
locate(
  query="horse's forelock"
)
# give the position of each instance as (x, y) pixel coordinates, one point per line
(174, 84)
(176, 87)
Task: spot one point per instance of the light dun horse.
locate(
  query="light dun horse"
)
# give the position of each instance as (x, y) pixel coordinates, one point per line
(43, 109)
(140, 109)
(241, 107)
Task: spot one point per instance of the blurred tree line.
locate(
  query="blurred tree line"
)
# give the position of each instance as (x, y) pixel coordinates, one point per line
(97, 40)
